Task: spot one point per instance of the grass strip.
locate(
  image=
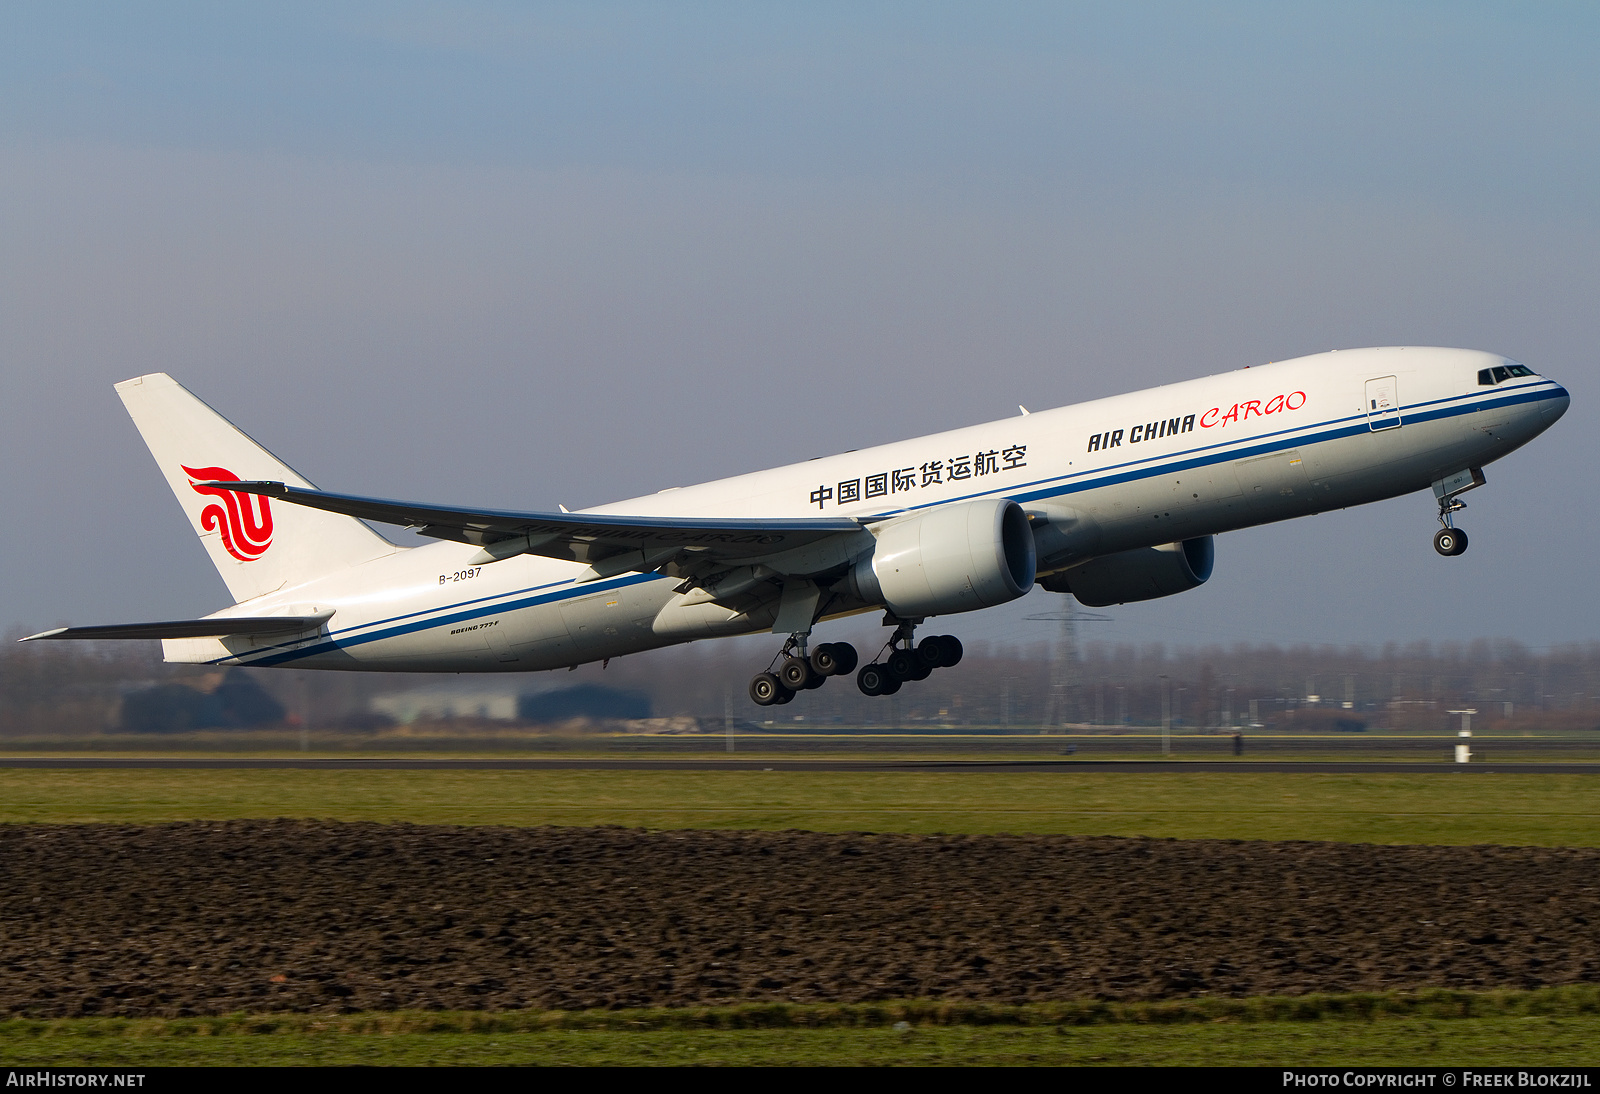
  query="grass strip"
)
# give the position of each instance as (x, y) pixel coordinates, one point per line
(1447, 809)
(1478, 1043)
(1555, 1026)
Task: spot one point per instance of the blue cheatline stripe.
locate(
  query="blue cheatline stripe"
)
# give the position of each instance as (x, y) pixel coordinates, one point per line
(1056, 486)
(454, 613)
(335, 633)
(1223, 451)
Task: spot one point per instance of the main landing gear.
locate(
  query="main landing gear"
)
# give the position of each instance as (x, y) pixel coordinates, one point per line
(908, 660)
(797, 670)
(801, 671)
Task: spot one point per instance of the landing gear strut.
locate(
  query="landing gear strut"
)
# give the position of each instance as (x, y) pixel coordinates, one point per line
(800, 670)
(1450, 540)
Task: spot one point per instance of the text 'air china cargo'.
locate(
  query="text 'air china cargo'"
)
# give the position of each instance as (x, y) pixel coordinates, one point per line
(1111, 501)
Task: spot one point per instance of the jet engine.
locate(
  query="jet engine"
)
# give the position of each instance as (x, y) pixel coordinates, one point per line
(953, 559)
(1143, 573)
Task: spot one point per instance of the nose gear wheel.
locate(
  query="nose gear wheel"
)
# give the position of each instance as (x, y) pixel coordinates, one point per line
(1450, 541)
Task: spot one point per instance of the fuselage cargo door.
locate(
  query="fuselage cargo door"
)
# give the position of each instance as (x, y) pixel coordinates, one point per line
(1383, 403)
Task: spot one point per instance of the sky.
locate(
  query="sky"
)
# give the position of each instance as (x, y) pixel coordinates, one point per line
(521, 255)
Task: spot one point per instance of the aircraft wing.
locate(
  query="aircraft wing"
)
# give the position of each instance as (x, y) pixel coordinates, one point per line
(628, 542)
(215, 627)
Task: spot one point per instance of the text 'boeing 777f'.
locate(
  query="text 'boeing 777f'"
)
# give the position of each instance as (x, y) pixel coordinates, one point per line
(1111, 501)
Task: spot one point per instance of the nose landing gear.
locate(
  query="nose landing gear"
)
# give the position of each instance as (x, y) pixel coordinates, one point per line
(1450, 540)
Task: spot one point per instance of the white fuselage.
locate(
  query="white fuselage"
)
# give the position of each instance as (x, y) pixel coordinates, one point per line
(1171, 463)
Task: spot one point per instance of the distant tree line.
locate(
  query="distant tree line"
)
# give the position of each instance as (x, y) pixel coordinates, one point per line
(76, 688)
(1410, 686)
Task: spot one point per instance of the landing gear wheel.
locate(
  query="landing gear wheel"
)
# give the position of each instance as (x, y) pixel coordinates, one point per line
(795, 673)
(903, 664)
(847, 658)
(875, 680)
(940, 651)
(766, 688)
(825, 660)
(1450, 541)
(834, 659)
(952, 651)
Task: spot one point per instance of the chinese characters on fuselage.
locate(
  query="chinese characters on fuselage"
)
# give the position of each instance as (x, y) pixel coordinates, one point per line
(901, 480)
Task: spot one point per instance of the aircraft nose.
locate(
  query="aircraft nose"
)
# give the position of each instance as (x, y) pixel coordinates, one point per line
(1553, 406)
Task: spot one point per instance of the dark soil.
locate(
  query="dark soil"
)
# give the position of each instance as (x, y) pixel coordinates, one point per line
(286, 915)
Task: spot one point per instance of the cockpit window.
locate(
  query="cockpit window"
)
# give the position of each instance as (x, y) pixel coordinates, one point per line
(1488, 377)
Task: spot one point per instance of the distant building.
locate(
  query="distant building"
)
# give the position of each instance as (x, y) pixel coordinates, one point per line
(584, 701)
(505, 703)
(230, 700)
(446, 702)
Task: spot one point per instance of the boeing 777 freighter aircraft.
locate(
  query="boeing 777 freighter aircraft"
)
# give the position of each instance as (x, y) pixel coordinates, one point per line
(1112, 501)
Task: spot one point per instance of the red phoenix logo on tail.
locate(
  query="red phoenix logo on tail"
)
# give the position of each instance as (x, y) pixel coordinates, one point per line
(245, 520)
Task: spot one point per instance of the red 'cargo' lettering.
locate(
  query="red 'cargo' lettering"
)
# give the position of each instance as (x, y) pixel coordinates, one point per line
(1239, 412)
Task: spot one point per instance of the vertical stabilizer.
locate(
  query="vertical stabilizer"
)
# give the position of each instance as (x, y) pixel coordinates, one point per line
(256, 547)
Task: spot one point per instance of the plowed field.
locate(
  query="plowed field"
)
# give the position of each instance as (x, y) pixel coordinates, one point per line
(201, 918)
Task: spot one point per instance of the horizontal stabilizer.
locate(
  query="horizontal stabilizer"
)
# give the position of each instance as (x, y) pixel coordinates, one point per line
(578, 537)
(216, 627)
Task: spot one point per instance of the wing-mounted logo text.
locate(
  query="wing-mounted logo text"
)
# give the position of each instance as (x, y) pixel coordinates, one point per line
(244, 520)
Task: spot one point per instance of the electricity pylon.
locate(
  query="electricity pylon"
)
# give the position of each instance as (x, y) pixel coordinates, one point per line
(1066, 668)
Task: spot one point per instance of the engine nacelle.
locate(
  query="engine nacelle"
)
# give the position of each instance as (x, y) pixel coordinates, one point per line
(954, 559)
(1143, 573)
